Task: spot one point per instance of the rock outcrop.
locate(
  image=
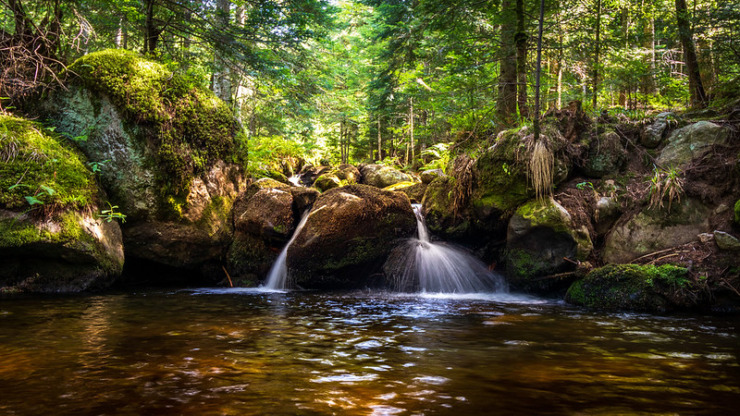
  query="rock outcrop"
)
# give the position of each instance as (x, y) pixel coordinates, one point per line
(347, 237)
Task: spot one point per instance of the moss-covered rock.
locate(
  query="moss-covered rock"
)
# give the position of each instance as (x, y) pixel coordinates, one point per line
(606, 156)
(501, 179)
(736, 216)
(50, 237)
(429, 175)
(347, 236)
(540, 240)
(635, 288)
(382, 176)
(327, 181)
(653, 134)
(692, 141)
(414, 190)
(654, 229)
(165, 147)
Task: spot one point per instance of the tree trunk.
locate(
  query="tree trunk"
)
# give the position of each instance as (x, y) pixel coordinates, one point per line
(696, 88)
(647, 86)
(597, 50)
(411, 129)
(380, 142)
(506, 101)
(222, 76)
(520, 39)
(536, 117)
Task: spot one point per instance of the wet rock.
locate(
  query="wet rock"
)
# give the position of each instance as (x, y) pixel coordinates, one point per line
(630, 287)
(691, 142)
(428, 176)
(309, 173)
(268, 214)
(382, 176)
(542, 240)
(303, 198)
(653, 135)
(348, 235)
(655, 229)
(726, 241)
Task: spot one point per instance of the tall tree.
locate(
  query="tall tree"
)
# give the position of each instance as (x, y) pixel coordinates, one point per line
(521, 39)
(696, 88)
(507, 79)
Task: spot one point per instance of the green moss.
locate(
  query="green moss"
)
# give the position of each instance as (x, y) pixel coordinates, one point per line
(35, 163)
(632, 287)
(521, 264)
(190, 127)
(737, 212)
(17, 232)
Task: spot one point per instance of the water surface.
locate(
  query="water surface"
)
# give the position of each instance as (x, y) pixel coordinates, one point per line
(250, 352)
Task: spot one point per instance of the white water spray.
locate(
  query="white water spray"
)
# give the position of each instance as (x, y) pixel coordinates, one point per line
(277, 279)
(441, 268)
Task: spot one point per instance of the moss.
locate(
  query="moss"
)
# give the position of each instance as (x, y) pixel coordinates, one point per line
(189, 126)
(633, 287)
(36, 163)
(17, 232)
(737, 212)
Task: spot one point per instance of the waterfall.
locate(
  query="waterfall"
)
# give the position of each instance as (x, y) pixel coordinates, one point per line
(278, 277)
(443, 268)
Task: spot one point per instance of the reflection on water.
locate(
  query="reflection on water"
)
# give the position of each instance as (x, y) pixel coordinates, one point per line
(252, 351)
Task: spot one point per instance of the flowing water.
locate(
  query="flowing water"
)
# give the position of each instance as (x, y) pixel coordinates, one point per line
(440, 268)
(277, 278)
(251, 352)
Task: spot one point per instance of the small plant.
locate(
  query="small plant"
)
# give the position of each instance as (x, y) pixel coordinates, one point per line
(95, 166)
(110, 214)
(665, 184)
(584, 185)
(35, 199)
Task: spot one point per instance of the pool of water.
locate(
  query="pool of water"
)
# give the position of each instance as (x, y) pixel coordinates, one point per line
(249, 352)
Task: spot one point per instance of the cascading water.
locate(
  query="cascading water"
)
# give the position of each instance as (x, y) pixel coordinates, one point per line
(277, 279)
(442, 268)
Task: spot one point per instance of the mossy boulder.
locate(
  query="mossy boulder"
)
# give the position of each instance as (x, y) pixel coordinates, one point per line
(606, 156)
(636, 288)
(51, 239)
(438, 209)
(655, 229)
(428, 176)
(541, 239)
(691, 142)
(348, 235)
(165, 146)
(500, 178)
(382, 176)
(267, 214)
(310, 173)
(414, 190)
(327, 181)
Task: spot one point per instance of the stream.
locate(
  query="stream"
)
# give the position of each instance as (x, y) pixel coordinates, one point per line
(258, 352)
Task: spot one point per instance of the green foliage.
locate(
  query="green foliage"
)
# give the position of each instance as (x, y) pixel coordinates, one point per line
(267, 154)
(439, 154)
(38, 169)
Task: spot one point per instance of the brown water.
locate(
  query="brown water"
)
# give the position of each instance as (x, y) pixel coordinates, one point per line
(241, 352)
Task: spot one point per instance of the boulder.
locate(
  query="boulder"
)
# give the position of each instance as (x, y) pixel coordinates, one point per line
(265, 217)
(164, 147)
(655, 229)
(726, 241)
(653, 134)
(438, 209)
(691, 142)
(327, 181)
(630, 287)
(541, 239)
(606, 156)
(55, 235)
(414, 190)
(347, 236)
(428, 176)
(382, 176)
(607, 213)
(309, 173)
